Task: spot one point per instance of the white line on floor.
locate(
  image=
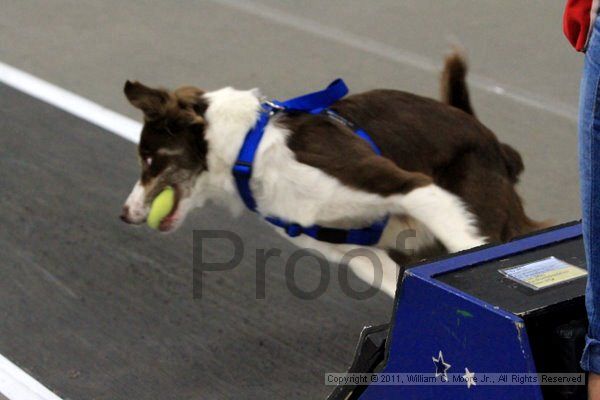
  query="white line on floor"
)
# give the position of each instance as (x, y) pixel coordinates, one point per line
(16, 384)
(395, 54)
(70, 102)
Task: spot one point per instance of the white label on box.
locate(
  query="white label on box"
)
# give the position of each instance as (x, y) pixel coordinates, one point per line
(544, 273)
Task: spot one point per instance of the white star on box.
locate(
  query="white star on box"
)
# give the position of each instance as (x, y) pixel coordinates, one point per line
(469, 378)
(441, 367)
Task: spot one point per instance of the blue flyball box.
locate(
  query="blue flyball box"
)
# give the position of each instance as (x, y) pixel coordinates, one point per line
(514, 310)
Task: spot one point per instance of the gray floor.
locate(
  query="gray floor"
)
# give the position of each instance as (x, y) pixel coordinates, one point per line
(95, 309)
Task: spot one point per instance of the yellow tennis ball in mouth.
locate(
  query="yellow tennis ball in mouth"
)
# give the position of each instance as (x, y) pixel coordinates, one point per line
(162, 205)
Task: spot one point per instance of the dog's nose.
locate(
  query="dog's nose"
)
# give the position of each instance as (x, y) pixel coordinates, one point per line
(125, 215)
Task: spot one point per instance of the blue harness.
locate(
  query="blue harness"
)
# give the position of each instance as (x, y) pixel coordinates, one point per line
(313, 103)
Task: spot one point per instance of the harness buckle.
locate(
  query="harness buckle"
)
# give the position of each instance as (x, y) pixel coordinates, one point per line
(242, 169)
(274, 107)
(293, 230)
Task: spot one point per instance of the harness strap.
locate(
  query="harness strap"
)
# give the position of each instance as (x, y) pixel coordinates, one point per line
(314, 103)
(364, 236)
(363, 135)
(242, 170)
(317, 100)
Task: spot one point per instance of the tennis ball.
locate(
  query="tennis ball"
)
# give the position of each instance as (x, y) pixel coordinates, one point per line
(161, 207)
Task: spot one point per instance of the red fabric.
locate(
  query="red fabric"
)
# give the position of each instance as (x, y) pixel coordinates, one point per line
(576, 22)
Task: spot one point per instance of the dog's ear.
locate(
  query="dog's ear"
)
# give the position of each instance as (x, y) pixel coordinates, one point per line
(190, 99)
(153, 102)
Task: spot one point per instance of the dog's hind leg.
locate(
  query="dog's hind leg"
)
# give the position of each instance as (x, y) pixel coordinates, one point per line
(444, 214)
(414, 194)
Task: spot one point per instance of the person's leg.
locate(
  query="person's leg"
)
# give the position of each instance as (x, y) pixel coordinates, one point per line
(589, 150)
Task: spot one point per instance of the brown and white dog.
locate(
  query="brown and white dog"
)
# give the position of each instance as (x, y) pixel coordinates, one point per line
(443, 174)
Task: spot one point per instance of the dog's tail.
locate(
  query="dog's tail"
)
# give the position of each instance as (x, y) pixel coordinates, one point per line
(454, 86)
(455, 93)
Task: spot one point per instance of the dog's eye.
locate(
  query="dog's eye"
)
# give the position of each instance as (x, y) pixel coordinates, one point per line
(148, 161)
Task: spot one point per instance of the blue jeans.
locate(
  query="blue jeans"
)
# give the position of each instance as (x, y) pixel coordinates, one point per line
(589, 159)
